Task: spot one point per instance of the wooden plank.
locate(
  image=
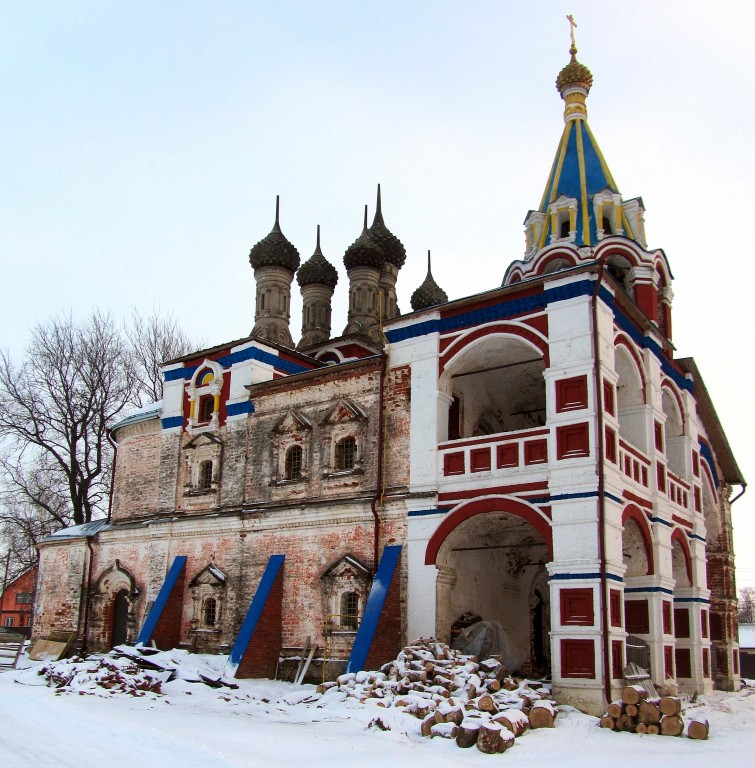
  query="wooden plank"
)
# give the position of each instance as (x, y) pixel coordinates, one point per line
(303, 673)
(304, 653)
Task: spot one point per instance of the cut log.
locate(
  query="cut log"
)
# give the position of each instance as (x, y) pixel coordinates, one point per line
(698, 729)
(641, 728)
(485, 703)
(633, 694)
(653, 729)
(427, 724)
(670, 705)
(489, 739)
(615, 709)
(469, 730)
(627, 723)
(445, 730)
(514, 720)
(608, 722)
(650, 713)
(449, 714)
(672, 725)
(632, 710)
(542, 715)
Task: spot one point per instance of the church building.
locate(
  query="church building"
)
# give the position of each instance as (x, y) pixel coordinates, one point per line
(535, 454)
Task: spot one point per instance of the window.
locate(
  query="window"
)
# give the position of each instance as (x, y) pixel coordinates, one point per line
(9, 621)
(206, 408)
(293, 463)
(210, 612)
(346, 454)
(24, 598)
(350, 610)
(205, 475)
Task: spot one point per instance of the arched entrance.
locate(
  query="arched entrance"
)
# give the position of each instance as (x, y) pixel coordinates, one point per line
(491, 564)
(120, 618)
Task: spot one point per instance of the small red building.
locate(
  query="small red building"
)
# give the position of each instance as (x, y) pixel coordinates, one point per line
(17, 603)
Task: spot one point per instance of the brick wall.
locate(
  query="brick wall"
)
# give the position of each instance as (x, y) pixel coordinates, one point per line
(388, 636)
(167, 633)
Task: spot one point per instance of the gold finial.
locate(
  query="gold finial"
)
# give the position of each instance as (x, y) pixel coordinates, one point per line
(572, 26)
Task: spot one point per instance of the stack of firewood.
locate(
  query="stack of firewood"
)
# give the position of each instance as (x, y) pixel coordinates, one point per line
(636, 713)
(454, 695)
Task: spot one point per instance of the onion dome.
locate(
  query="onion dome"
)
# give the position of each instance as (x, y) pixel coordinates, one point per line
(317, 269)
(364, 251)
(429, 294)
(274, 250)
(574, 73)
(392, 247)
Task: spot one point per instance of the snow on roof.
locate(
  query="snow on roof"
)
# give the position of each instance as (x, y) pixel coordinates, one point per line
(747, 635)
(146, 412)
(217, 573)
(78, 531)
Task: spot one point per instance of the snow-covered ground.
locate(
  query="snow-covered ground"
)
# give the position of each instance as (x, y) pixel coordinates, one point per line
(267, 723)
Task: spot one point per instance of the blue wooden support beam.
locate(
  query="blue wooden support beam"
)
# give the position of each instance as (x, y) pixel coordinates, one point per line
(254, 613)
(374, 607)
(148, 628)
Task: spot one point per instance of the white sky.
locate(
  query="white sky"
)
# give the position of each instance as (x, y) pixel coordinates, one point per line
(142, 145)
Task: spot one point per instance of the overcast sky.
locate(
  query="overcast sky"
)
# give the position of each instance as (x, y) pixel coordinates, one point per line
(142, 145)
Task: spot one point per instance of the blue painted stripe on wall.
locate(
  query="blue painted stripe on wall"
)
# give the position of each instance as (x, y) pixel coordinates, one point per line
(374, 607)
(572, 576)
(695, 536)
(148, 628)
(662, 590)
(568, 496)
(255, 609)
(236, 409)
(692, 600)
(179, 373)
(172, 421)
(422, 512)
(662, 522)
(707, 454)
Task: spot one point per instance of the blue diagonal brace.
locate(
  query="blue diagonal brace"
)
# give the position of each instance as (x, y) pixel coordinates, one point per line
(256, 607)
(179, 562)
(374, 608)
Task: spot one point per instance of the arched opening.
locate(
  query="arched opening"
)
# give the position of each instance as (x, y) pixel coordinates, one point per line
(493, 565)
(619, 267)
(630, 399)
(681, 560)
(636, 548)
(555, 265)
(673, 430)
(498, 386)
(119, 633)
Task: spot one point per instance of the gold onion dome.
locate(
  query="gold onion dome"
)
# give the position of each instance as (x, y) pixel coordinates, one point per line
(574, 73)
(393, 249)
(317, 269)
(274, 250)
(429, 294)
(364, 251)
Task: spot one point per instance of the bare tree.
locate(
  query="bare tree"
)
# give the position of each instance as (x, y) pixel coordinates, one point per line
(55, 408)
(152, 340)
(746, 613)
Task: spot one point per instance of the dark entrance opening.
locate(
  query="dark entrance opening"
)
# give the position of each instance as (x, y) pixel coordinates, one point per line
(120, 617)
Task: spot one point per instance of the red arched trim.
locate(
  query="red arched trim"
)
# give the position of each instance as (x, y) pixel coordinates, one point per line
(504, 329)
(707, 474)
(679, 537)
(514, 277)
(480, 506)
(565, 255)
(634, 513)
(604, 250)
(622, 341)
(669, 385)
(664, 278)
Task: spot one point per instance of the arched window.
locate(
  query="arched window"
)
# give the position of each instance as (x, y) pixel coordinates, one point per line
(205, 475)
(210, 612)
(206, 408)
(346, 453)
(293, 462)
(607, 226)
(350, 610)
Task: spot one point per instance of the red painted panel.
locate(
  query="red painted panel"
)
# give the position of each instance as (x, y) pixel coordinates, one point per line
(578, 658)
(683, 662)
(706, 662)
(637, 617)
(480, 459)
(617, 659)
(646, 297)
(453, 463)
(507, 455)
(698, 501)
(609, 399)
(615, 607)
(611, 454)
(571, 394)
(695, 463)
(661, 473)
(577, 607)
(704, 622)
(668, 628)
(573, 441)
(658, 433)
(668, 661)
(536, 452)
(681, 622)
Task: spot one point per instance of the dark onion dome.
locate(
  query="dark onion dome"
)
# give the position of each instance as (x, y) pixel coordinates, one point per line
(392, 247)
(574, 73)
(364, 251)
(429, 294)
(317, 269)
(274, 250)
